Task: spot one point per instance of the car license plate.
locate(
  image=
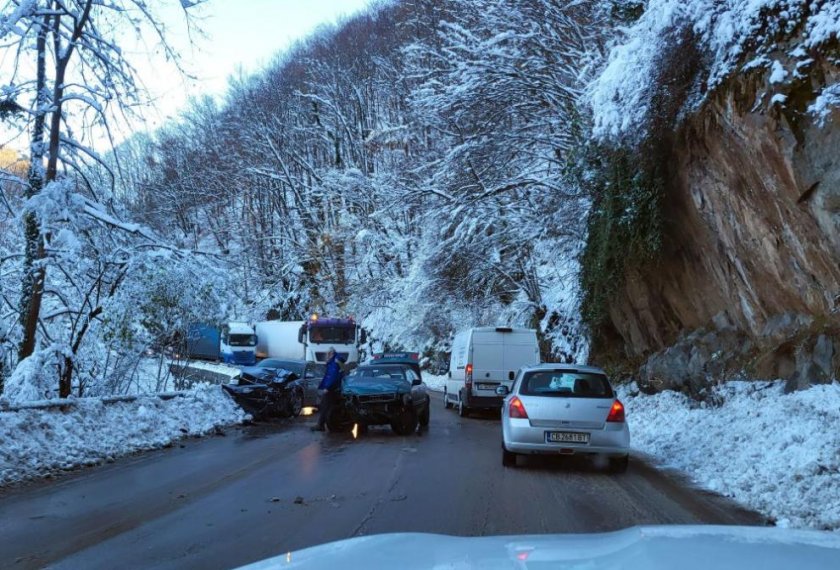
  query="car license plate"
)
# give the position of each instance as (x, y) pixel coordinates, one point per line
(486, 386)
(566, 437)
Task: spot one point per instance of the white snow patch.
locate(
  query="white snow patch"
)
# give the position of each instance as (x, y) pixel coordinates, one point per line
(433, 382)
(828, 100)
(777, 73)
(777, 453)
(38, 442)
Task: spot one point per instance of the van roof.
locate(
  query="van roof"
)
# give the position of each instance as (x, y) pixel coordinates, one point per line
(503, 329)
(561, 366)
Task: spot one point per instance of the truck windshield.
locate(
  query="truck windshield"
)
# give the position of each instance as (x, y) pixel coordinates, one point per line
(242, 340)
(332, 334)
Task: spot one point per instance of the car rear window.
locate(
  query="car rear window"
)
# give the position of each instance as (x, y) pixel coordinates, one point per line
(565, 383)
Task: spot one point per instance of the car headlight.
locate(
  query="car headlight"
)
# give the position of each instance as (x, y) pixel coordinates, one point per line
(235, 380)
(406, 399)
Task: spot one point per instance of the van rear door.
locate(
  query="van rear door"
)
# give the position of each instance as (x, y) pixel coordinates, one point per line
(487, 361)
(520, 349)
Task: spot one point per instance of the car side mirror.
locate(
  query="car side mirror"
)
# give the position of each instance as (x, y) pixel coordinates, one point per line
(363, 337)
(449, 373)
(416, 382)
(510, 375)
(502, 390)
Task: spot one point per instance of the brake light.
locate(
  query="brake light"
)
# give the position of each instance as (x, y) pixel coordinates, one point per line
(616, 412)
(516, 409)
(468, 375)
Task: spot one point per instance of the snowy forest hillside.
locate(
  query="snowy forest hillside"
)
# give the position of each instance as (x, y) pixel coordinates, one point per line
(426, 166)
(410, 167)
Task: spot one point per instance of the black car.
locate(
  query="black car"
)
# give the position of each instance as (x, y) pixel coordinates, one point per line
(276, 387)
(309, 374)
(377, 394)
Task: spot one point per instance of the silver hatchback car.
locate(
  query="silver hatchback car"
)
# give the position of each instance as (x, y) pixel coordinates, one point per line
(564, 409)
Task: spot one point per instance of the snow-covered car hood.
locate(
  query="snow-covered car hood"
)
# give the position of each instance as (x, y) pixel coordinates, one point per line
(642, 548)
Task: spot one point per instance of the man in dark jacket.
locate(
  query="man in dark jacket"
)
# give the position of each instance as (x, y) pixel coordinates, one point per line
(329, 389)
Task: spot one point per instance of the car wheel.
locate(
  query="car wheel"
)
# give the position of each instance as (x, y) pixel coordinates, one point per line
(619, 464)
(295, 403)
(508, 457)
(405, 423)
(424, 416)
(446, 403)
(463, 411)
(338, 422)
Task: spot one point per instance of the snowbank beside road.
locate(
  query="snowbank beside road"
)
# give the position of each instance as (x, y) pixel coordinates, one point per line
(774, 452)
(434, 382)
(37, 442)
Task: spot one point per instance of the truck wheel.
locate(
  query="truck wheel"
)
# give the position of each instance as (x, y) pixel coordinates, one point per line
(405, 423)
(446, 403)
(424, 415)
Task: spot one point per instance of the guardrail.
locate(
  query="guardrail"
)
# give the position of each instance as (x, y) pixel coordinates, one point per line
(73, 402)
(183, 372)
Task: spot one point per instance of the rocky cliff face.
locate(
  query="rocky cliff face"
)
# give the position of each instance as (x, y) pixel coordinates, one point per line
(749, 279)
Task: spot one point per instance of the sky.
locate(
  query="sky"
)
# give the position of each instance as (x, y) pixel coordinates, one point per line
(242, 36)
(225, 38)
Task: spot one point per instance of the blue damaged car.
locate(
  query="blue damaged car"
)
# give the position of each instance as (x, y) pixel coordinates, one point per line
(381, 394)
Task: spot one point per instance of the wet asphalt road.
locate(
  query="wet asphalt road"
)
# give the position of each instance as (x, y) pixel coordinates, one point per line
(220, 502)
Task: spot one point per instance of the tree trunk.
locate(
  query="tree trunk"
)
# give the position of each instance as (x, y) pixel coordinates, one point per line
(33, 274)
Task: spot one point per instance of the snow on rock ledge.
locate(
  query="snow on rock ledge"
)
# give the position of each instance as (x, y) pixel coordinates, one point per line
(774, 452)
(726, 31)
(39, 442)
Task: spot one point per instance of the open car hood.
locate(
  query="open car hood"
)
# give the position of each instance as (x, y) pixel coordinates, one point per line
(638, 548)
(267, 375)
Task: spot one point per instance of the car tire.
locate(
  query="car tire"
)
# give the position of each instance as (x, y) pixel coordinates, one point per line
(619, 464)
(338, 422)
(424, 415)
(446, 403)
(405, 423)
(508, 457)
(463, 410)
(295, 405)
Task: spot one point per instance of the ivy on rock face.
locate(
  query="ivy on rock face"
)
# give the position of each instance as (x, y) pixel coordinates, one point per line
(624, 225)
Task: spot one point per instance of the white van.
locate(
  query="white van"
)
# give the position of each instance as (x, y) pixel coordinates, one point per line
(484, 358)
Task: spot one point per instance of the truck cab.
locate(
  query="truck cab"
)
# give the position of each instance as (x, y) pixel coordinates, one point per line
(319, 334)
(238, 344)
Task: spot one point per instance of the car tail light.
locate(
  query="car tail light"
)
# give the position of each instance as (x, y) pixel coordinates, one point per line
(468, 375)
(516, 409)
(616, 412)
